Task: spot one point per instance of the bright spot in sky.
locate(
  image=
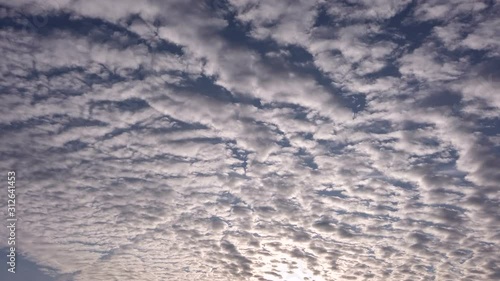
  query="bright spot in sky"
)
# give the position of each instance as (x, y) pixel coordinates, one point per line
(299, 273)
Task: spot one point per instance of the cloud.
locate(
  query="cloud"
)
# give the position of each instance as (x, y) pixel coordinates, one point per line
(252, 140)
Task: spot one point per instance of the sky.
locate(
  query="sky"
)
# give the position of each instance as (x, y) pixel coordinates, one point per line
(252, 140)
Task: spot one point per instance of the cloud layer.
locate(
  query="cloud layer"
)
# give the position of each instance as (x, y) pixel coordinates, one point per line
(254, 140)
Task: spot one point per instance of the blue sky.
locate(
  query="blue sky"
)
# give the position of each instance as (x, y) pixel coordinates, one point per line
(253, 140)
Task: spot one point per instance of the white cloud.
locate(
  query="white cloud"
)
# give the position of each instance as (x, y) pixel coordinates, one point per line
(227, 159)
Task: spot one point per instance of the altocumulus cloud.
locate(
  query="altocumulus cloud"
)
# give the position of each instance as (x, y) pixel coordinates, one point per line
(254, 140)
